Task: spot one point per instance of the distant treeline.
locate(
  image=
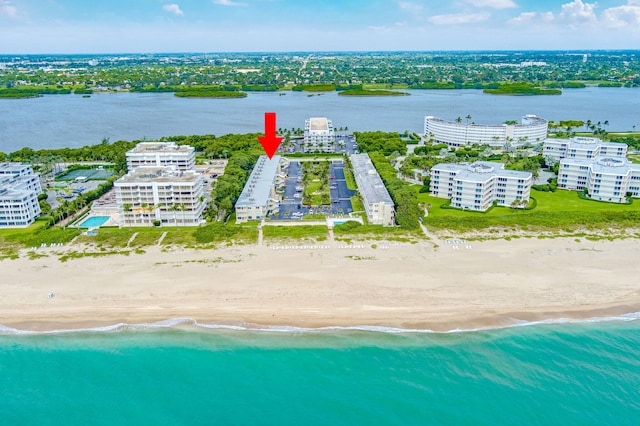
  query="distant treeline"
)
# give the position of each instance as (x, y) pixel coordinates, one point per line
(521, 89)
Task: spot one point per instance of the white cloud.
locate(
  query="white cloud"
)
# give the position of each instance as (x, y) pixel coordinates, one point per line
(495, 4)
(229, 3)
(378, 28)
(173, 8)
(625, 16)
(579, 12)
(459, 18)
(523, 18)
(7, 9)
(407, 5)
(529, 18)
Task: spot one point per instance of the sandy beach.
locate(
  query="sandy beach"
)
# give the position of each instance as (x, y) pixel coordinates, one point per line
(491, 283)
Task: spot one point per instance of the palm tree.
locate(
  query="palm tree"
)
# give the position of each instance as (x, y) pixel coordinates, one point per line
(459, 120)
(174, 208)
(468, 117)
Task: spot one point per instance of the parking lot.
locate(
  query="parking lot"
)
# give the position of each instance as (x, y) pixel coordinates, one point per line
(340, 193)
(291, 207)
(344, 144)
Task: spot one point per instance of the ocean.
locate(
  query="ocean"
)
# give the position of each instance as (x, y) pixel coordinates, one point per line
(574, 373)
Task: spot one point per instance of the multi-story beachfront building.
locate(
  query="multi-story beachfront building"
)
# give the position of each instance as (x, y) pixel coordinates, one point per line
(605, 178)
(478, 185)
(319, 135)
(166, 194)
(258, 198)
(583, 148)
(532, 129)
(376, 199)
(161, 154)
(19, 190)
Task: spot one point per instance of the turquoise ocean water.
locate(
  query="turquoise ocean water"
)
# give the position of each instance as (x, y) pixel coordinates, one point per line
(565, 374)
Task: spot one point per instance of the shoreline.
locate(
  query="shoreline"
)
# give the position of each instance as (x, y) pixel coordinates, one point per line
(494, 284)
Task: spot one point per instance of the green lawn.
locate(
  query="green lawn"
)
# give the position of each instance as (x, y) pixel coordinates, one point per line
(315, 232)
(554, 210)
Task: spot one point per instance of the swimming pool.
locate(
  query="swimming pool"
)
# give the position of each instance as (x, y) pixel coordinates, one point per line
(94, 221)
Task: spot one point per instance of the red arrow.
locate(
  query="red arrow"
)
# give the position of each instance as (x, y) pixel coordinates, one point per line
(270, 142)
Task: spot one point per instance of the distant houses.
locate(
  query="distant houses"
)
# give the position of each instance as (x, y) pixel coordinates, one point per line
(477, 186)
(19, 190)
(161, 187)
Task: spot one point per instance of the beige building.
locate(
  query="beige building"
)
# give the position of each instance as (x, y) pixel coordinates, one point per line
(161, 154)
(375, 197)
(165, 194)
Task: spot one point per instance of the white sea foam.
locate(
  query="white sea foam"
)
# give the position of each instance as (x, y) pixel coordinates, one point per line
(190, 322)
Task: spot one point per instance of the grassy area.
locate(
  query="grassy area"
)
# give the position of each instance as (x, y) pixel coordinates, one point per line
(35, 235)
(560, 210)
(301, 232)
(354, 230)
(348, 177)
(358, 207)
(315, 182)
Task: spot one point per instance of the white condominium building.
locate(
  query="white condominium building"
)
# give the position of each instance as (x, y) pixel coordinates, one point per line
(532, 129)
(476, 186)
(375, 197)
(166, 194)
(258, 198)
(582, 148)
(161, 154)
(605, 178)
(19, 190)
(319, 135)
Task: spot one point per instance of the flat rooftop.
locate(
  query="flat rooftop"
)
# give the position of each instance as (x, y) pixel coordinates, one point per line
(158, 174)
(162, 147)
(605, 165)
(319, 124)
(481, 171)
(13, 168)
(257, 190)
(370, 184)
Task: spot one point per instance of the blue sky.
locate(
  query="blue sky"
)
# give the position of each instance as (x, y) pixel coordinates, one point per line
(113, 26)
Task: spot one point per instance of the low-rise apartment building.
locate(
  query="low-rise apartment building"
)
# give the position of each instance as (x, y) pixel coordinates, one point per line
(19, 190)
(478, 185)
(376, 199)
(160, 154)
(165, 194)
(258, 197)
(584, 148)
(605, 178)
(319, 135)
